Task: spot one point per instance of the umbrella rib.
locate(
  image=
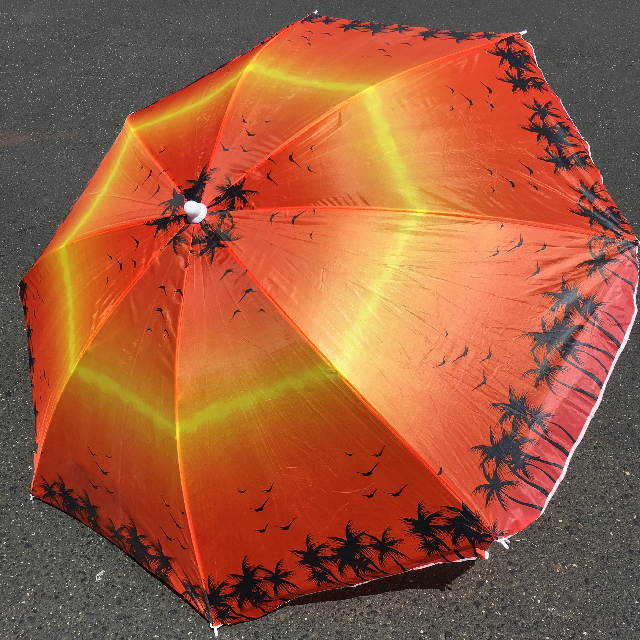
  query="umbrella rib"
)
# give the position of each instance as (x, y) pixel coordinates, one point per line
(183, 488)
(94, 234)
(448, 214)
(347, 102)
(232, 99)
(140, 140)
(128, 131)
(470, 216)
(364, 401)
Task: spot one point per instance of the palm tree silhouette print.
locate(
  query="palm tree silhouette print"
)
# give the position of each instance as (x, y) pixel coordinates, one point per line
(580, 159)
(385, 548)
(352, 25)
(521, 66)
(573, 303)
(115, 533)
(90, 510)
(127, 537)
(22, 294)
(464, 523)
(522, 83)
(161, 563)
(542, 111)
(317, 562)
(625, 248)
(50, 490)
(178, 239)
(553, 338)
(428, 34)
(557, 134)
(567, 297)
(560, 161)
(496, 489)
(589, 309)
(278, 579)
(193, 592)
(248, 587)
(458, 36)
(232, 195)
(172, 213)
(174, 205)
(538, 423)
(211, 239)
(195, 188)
(427, 528)
(563, 148)
(596, 216)
(222, 216)
(399, 28)
(547, 373)
(67, 499)
(218, 598)
(614, 214)
(593, 193)
(136, 545)
(516, 58)
(352, 553)
(525, 417)
(375, 27)
(572, 354)
(599, 263)
(508, 454)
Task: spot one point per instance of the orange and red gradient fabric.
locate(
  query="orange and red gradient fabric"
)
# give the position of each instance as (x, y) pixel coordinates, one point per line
(378, 350)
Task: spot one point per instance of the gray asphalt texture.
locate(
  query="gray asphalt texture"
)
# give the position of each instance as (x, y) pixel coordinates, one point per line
(71, 71)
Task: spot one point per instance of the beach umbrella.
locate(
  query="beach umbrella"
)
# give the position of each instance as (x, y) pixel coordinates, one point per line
(342, 308)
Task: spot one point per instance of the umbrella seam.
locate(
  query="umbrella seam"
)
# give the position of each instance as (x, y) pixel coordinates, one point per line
(365, 402)
(236, 90)
(129, 131)
(461, 215)
(145, 147)
(183, 488)
(350, 100)
(209, 73)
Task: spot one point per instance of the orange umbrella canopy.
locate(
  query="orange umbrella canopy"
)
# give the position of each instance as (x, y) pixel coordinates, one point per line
(342, 308)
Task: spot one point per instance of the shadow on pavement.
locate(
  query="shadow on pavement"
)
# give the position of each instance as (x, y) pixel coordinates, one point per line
(439, 577)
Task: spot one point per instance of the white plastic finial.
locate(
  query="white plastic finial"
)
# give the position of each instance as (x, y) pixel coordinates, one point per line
(196, 211)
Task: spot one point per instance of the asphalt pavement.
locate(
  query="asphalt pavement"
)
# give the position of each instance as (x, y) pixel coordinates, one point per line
(71, 71)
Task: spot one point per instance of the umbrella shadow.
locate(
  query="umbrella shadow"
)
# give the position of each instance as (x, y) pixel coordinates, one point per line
(438, 577)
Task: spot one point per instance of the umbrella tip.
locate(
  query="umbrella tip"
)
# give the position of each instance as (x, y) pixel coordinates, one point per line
(196, 211)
